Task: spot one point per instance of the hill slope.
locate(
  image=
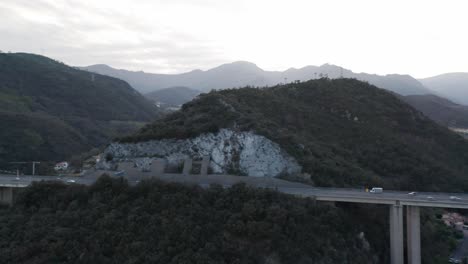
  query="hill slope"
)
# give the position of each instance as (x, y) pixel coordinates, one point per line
(51, 110)
(453, 86)
(241, 73)
(343, 132)
(441, 110)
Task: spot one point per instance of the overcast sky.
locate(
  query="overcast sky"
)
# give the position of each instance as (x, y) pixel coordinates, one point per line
(421, 38)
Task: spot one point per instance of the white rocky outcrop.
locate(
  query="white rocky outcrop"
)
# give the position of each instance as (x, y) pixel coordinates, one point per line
(244, 152)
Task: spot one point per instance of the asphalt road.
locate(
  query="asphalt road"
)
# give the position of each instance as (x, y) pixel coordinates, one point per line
(298, 189)
(462, 249)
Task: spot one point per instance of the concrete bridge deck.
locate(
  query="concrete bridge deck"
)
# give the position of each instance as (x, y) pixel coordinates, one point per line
(388, 197)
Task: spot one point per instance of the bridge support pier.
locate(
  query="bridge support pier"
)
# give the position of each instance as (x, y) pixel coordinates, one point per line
(204, 165)
(396, 234)
(158, 166)
(413, 233)
(187, 166)
(6, 195)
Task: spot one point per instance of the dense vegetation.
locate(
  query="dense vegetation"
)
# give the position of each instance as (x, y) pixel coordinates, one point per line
(153, 222)
(53, 111)
(343, 132)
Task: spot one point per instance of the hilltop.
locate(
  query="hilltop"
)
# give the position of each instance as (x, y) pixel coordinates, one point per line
(52, 110)
(342, 132)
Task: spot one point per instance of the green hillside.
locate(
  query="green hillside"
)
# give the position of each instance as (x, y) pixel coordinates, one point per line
(52, 111)
(343, 132)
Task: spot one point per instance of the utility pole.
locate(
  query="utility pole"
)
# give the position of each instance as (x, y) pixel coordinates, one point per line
(34, 167)
(26, 162)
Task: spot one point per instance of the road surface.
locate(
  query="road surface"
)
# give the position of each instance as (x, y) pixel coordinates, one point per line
(321, 194)
(462, 248)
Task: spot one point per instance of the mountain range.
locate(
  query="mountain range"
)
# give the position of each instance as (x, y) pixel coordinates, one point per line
(242, 73)
(442, 98)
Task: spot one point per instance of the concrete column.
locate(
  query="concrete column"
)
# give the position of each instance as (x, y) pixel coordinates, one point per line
(187, 166)
(157, 167)
(129, 169)
(413, 232)
(396, 234)
(6, 195)
(204, 165)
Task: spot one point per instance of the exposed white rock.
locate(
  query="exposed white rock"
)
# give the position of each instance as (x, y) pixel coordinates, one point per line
(143, 164)
(244, 152)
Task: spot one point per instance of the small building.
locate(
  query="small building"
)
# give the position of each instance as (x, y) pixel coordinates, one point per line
(61, 166)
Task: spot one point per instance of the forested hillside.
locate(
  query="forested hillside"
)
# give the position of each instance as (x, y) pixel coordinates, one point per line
(53, 111)
(153, 222)
(343, 132)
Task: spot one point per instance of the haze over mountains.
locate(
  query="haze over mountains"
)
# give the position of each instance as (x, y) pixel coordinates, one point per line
(242, 73)
(453, 86)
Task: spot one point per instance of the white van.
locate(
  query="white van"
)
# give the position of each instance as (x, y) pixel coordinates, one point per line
(376, 190)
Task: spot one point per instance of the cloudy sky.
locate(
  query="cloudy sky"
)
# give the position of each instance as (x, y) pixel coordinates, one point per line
(421, 38)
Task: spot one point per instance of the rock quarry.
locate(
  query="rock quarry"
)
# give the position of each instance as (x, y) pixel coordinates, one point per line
(230, 152)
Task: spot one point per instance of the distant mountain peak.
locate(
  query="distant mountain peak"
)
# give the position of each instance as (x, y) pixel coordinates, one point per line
(101, 66)
(243, 63)
(239, 65)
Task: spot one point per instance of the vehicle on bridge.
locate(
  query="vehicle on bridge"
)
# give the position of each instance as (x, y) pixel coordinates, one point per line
(454, 198)
(376, 190)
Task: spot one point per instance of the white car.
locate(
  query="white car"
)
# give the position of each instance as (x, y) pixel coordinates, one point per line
(376, 190)
(430, 198)
(71, 181)
(454, 198)
(412, 193)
